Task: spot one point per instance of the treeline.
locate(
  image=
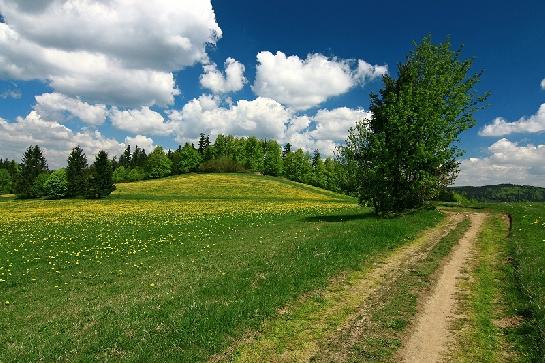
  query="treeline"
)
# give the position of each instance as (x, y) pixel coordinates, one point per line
(32, 178)
(502, 193)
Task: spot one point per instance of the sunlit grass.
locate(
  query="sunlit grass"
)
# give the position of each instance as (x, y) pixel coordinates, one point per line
(173, 269)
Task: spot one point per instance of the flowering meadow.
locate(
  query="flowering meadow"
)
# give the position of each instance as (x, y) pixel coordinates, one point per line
(176, 268)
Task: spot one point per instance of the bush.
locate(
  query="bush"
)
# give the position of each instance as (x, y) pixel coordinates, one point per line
(38, 187)
(221, 165)
(136, 174)
(56, 186)
(120, 174)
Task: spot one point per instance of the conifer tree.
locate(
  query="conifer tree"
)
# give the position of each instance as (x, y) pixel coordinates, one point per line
(99, 179)
(75, 172)
(33, 164)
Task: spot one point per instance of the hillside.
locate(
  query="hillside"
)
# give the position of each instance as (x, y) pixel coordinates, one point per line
(502, 193)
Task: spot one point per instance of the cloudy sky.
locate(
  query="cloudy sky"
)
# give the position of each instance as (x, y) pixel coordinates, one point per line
(105, 73)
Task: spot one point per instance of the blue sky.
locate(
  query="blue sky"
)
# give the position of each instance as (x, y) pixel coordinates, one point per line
(506, 40)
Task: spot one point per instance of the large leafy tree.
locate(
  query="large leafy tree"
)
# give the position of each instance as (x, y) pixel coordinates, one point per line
(189, 159)
(407, 152)
(272, 159)
(158, 165)
(33, 165)
(75, 172)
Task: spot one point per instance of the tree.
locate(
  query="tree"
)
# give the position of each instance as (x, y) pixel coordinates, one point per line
(100, 177)
(272, 159)
(189, 159)
(125, 158)
(407, 152)
(286, 151)
(297, 166)
(253, 155)
(33, 164)
(56, 185)
(120, 174)
(75, 172)
(138, 158)
(158, 165)
(5, 181)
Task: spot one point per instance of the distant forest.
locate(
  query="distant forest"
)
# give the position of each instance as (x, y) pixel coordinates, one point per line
(502, 193)
(31, 178)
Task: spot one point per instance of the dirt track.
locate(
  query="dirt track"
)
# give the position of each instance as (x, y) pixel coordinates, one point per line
(430, 336)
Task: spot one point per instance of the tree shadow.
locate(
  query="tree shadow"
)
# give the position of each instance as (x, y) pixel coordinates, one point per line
(341, 218)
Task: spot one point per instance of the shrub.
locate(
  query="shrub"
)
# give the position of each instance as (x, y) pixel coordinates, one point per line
(120, 174)
(221, 165)
(136, 174)
(56, 185)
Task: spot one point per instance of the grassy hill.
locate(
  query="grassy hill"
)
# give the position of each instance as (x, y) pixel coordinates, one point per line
(174, 269)
(502, 193)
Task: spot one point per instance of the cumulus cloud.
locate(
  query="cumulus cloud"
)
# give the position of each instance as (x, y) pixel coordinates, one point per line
(304, 83)
(57, 140)
(232, 81)
(119, 52)
(543, 83)
(502, 127)
(143, 142)
(264, 118)
(140, 121)
(507, 162)
(56, 106)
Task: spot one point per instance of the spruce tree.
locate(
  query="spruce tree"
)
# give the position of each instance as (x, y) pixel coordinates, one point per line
(75, 172)
(100, 177)
(33, 164)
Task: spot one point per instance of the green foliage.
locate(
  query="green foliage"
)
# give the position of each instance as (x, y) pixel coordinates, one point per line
(38, 186)
(502, 193)
(297, 166)
(136, 174)
(56, 185)
(75, 172)
(158, 165)
(189, 159)
(407, 152)
(33, 165)
(5, 182)
(272, 158)
(120, 174)
(253, 154)
(221, 165)
(99, 180)
(138, 157)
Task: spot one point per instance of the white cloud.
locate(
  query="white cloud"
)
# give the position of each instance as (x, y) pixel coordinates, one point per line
(56, 106)
(543, 83)
(140, 121)
(501, 127)
(143, 142)
(56, 140)
(261, 117)
(119, 52)
(232, 81)
(304, 83)
(264, 118)
(507, 162)
(12, 93)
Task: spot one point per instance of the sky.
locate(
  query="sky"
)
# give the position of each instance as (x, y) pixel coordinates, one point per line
(106, 73)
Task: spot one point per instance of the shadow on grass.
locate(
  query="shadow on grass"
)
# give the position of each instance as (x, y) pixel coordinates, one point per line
(341, 217)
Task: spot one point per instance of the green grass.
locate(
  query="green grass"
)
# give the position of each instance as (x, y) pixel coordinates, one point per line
(174, 269)
(395, 310)
(527, 248)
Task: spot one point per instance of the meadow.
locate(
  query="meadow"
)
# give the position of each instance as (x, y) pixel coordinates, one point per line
(177, 268)
(527, 250)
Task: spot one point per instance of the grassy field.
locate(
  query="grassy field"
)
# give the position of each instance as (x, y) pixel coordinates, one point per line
(528, 253)
(174, 269)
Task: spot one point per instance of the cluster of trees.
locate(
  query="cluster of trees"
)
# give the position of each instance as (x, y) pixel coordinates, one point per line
(33, 179)
(499, 193)
(232, 154)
